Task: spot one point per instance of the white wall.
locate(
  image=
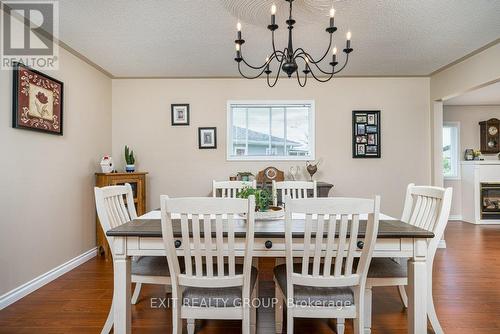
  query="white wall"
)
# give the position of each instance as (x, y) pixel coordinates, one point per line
(46, 197)
(469, 118)
(141, 119)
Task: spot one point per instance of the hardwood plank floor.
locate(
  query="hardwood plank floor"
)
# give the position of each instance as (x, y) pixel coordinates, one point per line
(466, 291)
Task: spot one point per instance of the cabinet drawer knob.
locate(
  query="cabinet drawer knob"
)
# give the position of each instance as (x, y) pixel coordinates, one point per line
(360, 244)
(177, 243)
(268, 244)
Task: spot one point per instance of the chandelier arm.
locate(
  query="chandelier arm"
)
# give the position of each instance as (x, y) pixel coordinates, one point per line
(311, 59)
(247, 77)
(274, 48)
(317, 66)
(273, 55)
(322, 80)
(298, 79)
(345, 64)
(277, 74)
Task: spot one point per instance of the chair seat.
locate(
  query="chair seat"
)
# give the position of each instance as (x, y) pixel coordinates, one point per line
(218, 297)
(387, 268)
(318, 296)
(150, 266)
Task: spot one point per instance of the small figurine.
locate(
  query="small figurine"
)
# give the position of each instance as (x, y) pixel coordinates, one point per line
(312, 167)
(107, 165)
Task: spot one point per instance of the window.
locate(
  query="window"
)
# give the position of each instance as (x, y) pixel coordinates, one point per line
(451, 148)
(273, 130)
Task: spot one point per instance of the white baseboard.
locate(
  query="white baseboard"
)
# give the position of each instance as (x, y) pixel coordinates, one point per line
(455, 217)
(442, 243)
(36, 283)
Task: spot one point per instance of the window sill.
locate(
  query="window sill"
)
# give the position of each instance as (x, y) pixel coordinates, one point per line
(452, 178)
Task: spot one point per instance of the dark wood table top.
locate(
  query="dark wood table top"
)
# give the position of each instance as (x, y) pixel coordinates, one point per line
(151, 228)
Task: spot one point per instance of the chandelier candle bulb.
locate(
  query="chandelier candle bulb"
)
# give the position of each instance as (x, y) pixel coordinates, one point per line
(348, 42)
(334, 54)
(273, 14)
(238, 52)
(332, 17)
(238, 26)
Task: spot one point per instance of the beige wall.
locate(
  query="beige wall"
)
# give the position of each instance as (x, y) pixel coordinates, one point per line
(47, 181)
(469, 117)
(141, 119)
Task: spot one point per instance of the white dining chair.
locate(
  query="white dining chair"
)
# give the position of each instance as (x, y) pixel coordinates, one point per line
(209, 289)
(425, 207)
(325, 284)
(115, 206)
(230, 189)
(295, 189)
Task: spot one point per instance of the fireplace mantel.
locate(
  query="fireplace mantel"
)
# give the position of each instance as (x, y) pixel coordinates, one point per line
(474, 173)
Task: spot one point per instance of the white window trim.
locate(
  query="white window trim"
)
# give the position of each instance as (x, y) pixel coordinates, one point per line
(458, 167)
(229, 134)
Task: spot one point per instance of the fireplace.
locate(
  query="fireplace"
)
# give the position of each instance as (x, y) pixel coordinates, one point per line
(490, 200)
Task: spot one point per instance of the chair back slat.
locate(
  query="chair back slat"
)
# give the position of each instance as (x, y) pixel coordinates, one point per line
(428, 208)
(230, 189)
(330, 247)
(115, 206)
(322, 215)
(294, 189)
(197, 249)
(207, 228)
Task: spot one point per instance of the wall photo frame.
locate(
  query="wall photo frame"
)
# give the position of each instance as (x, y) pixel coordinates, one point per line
(207, 138)
(366, 134)
(179, 114)
(37, 101)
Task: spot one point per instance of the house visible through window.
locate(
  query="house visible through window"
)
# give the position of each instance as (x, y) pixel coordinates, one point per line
(451, 143)
(270, 131)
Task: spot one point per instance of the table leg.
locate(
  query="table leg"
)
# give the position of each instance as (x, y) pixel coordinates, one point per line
(417, 288)
(121, 294)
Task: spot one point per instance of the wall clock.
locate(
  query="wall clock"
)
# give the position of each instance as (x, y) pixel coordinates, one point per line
(490, 136)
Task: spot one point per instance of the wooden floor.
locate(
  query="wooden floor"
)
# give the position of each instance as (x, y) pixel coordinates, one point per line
(466, 290)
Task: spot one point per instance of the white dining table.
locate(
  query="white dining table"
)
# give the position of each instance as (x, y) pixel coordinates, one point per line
(396, 239)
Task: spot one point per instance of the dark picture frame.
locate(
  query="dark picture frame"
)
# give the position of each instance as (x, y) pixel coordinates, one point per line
(37, 101)
(175, 109)
(366, 141)
(207, 138)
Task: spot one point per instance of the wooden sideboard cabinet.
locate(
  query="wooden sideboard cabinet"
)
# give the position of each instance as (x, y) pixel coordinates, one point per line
(138, 182)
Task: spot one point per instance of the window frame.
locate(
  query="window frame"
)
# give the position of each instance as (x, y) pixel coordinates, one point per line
(229, 134)
(455, 152)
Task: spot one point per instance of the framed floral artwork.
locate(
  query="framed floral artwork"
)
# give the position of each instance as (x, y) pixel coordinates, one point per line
(37, 101)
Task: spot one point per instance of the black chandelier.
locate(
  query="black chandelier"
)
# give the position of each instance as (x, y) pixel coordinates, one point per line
(287, 59)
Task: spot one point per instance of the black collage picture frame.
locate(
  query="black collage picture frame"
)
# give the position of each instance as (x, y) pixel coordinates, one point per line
(366, 134)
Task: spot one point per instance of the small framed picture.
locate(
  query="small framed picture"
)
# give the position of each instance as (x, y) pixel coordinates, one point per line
(372, 139)
(361, 149)
(361, 139)
(207, 138)
(371, 149)
(366, 134)
(180, 114)
(361, 119)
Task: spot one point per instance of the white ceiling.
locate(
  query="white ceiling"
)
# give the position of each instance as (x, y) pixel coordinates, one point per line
(195, 38)
(488, 95)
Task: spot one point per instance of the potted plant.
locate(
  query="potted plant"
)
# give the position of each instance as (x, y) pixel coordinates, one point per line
(129, 160)
(263, 201)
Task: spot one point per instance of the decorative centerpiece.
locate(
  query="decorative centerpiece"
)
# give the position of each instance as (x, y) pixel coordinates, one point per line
(130, 160)
(263, 200)
(244, 176)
